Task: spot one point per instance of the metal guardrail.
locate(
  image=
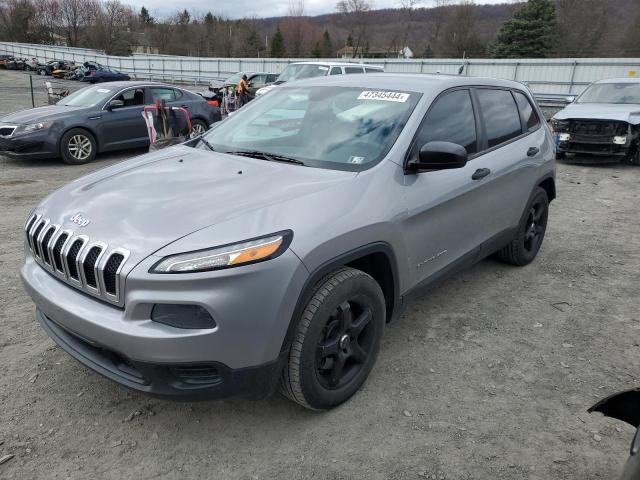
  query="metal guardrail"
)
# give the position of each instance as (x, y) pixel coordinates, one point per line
(544, 76)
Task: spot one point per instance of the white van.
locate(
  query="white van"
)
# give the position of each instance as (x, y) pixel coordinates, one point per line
(302, 70)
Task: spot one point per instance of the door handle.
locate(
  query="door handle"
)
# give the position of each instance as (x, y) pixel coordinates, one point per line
(480, 173)
(533, 151)
(185, 106)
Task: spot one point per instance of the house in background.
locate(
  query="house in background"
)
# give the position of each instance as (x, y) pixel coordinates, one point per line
(141, 44)
(348, 52)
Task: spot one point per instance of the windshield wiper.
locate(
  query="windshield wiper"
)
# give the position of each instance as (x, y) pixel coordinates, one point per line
(207, 144)
(271, 157)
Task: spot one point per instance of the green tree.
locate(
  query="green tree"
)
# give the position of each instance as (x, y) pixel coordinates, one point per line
(428, 52)
(277, 45)
(316, 51)
(529, 34)
(145, 16)
(326, 48)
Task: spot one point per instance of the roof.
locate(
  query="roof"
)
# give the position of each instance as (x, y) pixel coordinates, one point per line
(620, 80)
(421, 83)
(337, 63)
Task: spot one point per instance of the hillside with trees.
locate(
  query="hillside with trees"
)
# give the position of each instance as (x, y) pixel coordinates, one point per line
(430, 28)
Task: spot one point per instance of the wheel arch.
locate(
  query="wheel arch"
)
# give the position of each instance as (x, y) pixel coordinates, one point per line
(376, 259)
(81, 127)
(548, 184)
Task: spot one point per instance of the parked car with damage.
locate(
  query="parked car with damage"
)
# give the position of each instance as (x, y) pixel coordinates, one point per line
(274, 249)
(96, 119)
(602, 123)
(625, 406)
(303, 70)
(104, 74)
(255, 81)
(51, 66)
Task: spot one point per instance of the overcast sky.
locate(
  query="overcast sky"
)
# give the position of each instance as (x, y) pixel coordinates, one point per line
(257, 8)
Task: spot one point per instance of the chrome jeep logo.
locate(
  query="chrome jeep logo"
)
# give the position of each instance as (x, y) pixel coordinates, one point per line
(78, 219)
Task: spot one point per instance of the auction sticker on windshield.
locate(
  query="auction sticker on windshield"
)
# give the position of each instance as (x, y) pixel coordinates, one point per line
(385, 96)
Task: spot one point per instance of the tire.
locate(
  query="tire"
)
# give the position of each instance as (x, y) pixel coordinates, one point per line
(524, 248)
(78, 147)
(198, 127)
(336, 341)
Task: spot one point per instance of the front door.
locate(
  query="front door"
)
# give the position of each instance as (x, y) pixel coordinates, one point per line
(124, 127)
(448, 210)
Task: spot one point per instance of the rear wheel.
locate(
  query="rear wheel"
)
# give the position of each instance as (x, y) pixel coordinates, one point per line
(524, 248)
(336, 341)
(77, 147)
(198, 127)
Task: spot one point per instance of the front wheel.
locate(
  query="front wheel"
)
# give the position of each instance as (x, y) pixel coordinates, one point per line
(77, 147)
(336, 341)
(524, 248)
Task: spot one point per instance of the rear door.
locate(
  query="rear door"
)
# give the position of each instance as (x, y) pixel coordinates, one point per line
(513, 138)
(124, 127)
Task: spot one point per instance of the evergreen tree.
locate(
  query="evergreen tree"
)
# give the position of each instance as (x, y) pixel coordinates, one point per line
(145, 16)
(428, 52)
(529, 34)
(349, 41)
(277, 45)
(326, 49)
(316, 51)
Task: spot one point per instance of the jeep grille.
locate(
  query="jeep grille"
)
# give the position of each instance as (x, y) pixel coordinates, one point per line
(87, 265)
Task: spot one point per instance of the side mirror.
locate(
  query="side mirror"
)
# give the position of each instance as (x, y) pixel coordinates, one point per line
(113, 104)
(439, 156)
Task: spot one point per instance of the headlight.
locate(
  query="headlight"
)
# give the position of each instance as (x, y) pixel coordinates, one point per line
(234, 255)
(559, 125)
(32, 127)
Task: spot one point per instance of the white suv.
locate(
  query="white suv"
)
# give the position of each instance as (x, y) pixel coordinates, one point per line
(302, 70)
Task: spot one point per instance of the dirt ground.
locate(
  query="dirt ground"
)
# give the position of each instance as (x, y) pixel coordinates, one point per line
(488, 376)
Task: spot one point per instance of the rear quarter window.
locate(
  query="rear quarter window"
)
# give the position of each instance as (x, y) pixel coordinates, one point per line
(528, 113)
(349, 70)
(500, 115)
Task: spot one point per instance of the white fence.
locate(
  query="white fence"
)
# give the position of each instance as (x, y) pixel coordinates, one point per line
(544, 76)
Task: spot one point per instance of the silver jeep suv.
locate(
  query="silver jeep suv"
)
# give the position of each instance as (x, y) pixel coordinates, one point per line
(273, 250)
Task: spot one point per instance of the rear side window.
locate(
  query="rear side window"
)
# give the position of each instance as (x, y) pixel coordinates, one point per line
(451, 119)
(500, 115)
(529, 115)
(348, 70)
(336, 71)
(372, 70)
(167, 94)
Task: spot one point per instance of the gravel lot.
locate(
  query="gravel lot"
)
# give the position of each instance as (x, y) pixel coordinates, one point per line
(488, 376)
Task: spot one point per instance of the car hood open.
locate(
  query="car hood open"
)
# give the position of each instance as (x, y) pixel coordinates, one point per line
(629, 113)
(39, 114)
(148, 202)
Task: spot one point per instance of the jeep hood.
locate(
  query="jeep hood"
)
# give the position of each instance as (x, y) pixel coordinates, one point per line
(40, 114)
(148, 202)
(629, 113)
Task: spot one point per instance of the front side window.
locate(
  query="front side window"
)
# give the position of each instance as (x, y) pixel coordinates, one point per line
(336, 71)
(500, 115)
(132, 97)
(450, 119)
(621, 93)
(341, 128)
(529, 115)
(257, 80)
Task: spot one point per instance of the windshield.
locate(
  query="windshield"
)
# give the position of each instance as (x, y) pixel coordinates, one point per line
(234, 79)
(611, 93)
(330, 127)
(302, 70)
(87, 97)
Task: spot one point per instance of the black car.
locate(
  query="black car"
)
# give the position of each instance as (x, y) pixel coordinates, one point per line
(96, 119)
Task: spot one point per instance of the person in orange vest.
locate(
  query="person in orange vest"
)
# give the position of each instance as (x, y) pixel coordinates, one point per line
(242, 91)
